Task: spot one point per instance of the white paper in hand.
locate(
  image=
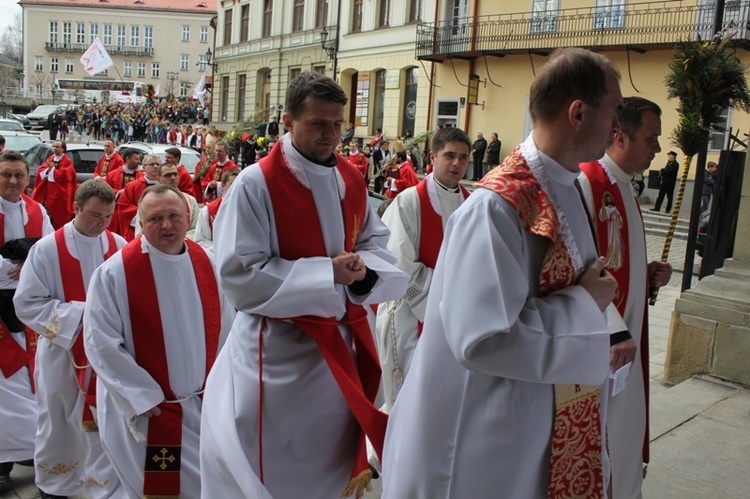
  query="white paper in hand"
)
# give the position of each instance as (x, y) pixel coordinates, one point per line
(619, 378)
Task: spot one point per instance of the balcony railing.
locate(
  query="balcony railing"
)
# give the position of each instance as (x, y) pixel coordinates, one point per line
(111, 49)
(645, 25)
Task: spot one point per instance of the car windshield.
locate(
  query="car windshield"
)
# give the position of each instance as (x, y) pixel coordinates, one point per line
(11, 125)
(21, 143)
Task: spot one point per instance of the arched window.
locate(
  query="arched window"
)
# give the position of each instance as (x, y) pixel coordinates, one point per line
(408, 119)
(378, 107)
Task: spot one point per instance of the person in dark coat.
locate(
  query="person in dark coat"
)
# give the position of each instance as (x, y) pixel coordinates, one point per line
(668, 177)
(709, 182)
(493, 151)
(478, 150)
(53, 123)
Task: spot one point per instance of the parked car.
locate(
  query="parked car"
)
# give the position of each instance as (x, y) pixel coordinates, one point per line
(189, 157)
(83, 155)
(38, 117)
(21, 118)
(19, 141)
(10, 126)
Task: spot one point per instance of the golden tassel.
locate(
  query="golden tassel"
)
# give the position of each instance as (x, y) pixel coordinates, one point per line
(359, 485)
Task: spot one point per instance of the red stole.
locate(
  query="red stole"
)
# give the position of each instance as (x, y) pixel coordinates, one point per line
(431, 232)
(213, 210)
(576, 460)
(300, 236)
(12, 355)
(360, 161)
(601, 188)
(164, 440)
(74, 290)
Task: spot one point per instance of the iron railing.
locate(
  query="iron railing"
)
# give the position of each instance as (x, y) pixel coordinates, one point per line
(650, 24)
(111, 49)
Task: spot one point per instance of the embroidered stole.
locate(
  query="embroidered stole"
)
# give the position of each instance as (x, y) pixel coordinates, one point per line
(213, 210)
(164, 441)
(604, 192)
(300, 236)
(431, 231)
(74, 290)
(12, 355)
(576, 460)
(105, 167)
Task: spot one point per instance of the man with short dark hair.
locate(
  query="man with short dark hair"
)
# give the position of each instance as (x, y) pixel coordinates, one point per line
(120, 177)
(380, 158)
(110, 160)
(23, 221)
(56, 184)
(69, 458)
(668, 180)
(2, 143)
(173, 156)
(299, 253)
(123, 221)
(477, 150)
(502, 398)
(493, 151)
(211, 182)
(154, 321)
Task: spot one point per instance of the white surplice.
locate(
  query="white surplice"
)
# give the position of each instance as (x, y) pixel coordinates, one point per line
(626, 412)
(68, 460)
(126, 390)
(204, 235)
(397, 319)
(474, 417)
(309, 435)
(17, 402)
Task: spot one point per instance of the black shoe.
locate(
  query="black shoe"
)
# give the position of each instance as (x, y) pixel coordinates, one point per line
(28, 462)
(50, 496)
(654, 209)
(5, 481)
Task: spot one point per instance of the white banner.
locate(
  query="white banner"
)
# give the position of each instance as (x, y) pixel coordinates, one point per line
(158, 90)
(96, 59)
(199, 89)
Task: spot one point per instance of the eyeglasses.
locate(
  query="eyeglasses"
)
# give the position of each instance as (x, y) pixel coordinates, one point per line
(169, 175)
(151, 164)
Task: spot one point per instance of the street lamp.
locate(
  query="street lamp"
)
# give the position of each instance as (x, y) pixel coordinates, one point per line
(105, 96)
(331, 51)
(172, 76)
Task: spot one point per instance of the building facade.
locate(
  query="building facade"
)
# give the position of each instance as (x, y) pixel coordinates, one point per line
(159, 42)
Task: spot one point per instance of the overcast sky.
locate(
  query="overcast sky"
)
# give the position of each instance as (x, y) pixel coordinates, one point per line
(9, 8)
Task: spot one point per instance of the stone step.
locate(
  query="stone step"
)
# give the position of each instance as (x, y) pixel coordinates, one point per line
(662, 232)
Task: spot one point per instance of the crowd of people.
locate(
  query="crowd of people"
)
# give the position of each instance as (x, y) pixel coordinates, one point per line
(282, 340)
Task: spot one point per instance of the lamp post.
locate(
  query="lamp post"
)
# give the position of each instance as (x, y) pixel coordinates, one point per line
(172, 76)
(105, 96)
(330, 50)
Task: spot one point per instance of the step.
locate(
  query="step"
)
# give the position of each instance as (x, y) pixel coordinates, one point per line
(663, 233)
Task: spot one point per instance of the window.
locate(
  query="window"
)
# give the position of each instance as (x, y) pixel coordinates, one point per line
(38, 63)
(384, 14)
(80, 32)
(154, 70)
(184, 62)
(141, 70)
(184, 88)
(244, 23)
(357, 16)
(228, 27)
(107, 34)
(267, 17)
(185, 33)
(148, 37)
(93, 32)
(121, 35)
(609, 14)
(53, 64)
(294, 72)
(53, 31)
(298, 16)
(204, 34)
(321, 13)
(224, 97)
(68, 64)
(361, 102)
(241, 90)
(408, 119)
(415, 11)
(127, 68)
(202, 62)
(67, 32)
(320, 70)
(544, 16)
(135, 36)
(379, 100)
(720, 131)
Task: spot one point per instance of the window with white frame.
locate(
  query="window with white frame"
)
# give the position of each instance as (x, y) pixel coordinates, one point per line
(544, 16)
(154, 70)
(120, 35)
(184, 88)
(203, 34)
(141, 70)
(68, 64)
(38, 63)
(135, 35)
(148, 37)
(53, 31)
(202, 62)
(609, 14)
(107, 32)
(184, 62)
(720, 131)
(53, 64)
(127, 68)
(93, 31)
(185, 32)
(80, 32)
(67, 32)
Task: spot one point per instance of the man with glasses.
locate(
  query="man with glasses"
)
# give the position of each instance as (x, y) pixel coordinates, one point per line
(211, 182)
(123, 221)
(173, 156)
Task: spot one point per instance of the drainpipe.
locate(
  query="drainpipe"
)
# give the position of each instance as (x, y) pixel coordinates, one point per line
(467, 116)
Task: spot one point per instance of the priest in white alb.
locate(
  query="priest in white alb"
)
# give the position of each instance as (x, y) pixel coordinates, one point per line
(204, 229)
(503, 395)
(155, 320)
(50, 299)
(606, 184)
(299, 252)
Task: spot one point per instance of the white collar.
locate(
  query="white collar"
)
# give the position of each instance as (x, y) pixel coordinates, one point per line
(302, 167)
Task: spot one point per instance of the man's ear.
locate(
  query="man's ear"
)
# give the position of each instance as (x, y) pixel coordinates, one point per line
(575, 114)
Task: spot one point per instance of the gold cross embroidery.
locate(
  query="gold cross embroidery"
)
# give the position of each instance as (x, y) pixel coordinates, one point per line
(163, 458)
(50, 332)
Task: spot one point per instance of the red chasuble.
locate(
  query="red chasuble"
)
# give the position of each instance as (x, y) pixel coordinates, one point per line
(300, 236)
(118, 179)
(164, 441)
(576, 460)
(360, 161)
(57, 196)
(74, 290)
(213, 210)
(104, 166)
(609, 214)
(126, 208)
(215, 172)
(431, 232)
(12, 356)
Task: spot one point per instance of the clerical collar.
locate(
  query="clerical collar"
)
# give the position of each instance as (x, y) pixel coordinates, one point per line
(445, 187)
(58, 158)
(329, 163)
(151, 182)
(128, 170)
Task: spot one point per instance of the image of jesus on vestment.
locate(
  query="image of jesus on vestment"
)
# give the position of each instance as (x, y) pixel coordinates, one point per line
(609, 213)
